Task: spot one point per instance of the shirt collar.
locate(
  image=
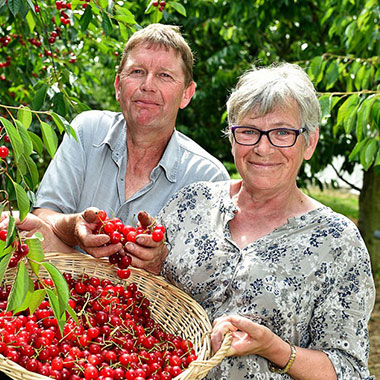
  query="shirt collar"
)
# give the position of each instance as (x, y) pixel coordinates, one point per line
(116, 136)
(170, 160)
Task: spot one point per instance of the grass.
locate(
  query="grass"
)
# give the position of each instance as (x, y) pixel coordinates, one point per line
(340, 200)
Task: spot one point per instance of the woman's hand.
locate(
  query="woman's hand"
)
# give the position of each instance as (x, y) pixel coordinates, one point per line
(146, 253)
(247, 337)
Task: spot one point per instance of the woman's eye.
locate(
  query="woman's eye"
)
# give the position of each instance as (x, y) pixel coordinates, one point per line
(283, 132)
(249, 132)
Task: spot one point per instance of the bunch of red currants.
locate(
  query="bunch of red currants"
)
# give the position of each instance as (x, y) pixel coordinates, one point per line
(120, 233)
(114, 338)
(21, 249)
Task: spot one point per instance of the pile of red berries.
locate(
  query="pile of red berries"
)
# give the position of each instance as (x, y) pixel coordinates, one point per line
(116, 337)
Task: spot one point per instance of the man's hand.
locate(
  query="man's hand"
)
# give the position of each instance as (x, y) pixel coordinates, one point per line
(32, 224)
(94, 244)
(146, 253)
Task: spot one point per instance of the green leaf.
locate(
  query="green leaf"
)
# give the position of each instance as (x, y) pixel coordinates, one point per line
(377, 160)
(40, 96)
(33, 172)
(14, 6)
(73, 314)
(27, 142)
(357, 148)
(325, 103)
(61, 123)
(11, 231)
(332, 74)
(86, 18)
(25, 116)
(30, 20)
(346, 110)
(38, 145)
(106, 24)
(367, 154)
(350, 120)
(36, 253)
(50, 138)
(59, 315)
(315, 70)
(4, 260)
(60, 104)
(26, 302)
(23, 203)
(19, 289)
(359, 77)
(376, 113)
(364, 116)
(16, 141)
(61, 286)
(124, 15)
(124, 32)
(32, 300)
(178, 7)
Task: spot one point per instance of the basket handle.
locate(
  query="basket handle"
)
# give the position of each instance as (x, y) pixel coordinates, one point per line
(204, 366)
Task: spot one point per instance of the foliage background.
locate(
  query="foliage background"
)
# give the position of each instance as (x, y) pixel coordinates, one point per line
(336, 41)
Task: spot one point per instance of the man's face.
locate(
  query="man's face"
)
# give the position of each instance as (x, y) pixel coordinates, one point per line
(151, 89)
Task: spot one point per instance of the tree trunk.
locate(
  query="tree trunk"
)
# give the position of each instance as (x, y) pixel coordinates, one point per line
(369, 215)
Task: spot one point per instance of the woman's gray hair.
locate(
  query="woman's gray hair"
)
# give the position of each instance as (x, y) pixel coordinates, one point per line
(263, 89)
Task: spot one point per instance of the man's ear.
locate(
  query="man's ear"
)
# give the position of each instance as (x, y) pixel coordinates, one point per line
(117, 87)
(312, 144)
(187, 95)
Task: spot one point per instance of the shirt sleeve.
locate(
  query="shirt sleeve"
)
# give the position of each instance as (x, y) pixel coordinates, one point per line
(339, 325)
(63, 179)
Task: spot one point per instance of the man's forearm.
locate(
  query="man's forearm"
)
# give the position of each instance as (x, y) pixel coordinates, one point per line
(63, 225)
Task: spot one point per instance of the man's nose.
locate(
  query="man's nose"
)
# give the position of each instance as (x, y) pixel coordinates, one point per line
(149, 83)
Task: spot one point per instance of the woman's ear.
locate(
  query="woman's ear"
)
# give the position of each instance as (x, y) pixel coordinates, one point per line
(312, 144)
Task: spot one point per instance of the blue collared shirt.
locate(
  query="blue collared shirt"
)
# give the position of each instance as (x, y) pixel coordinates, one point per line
(91, 171)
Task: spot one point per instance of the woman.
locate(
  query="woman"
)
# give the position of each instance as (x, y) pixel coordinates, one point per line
(288, 275)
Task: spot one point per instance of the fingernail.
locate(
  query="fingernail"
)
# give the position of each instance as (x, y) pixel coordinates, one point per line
(140, 240)
(130, 247)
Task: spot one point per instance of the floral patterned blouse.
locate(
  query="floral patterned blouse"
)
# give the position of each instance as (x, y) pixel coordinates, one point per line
(309, 280)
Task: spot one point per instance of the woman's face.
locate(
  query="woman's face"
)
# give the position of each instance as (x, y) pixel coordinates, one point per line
(266, 167)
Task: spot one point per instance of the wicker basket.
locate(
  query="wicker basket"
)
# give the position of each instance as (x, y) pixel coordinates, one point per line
(176, 311)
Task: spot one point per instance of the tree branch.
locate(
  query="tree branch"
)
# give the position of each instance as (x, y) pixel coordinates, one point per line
(344, 180)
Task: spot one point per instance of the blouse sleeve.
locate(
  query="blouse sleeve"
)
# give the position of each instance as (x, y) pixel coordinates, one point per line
(339, 325)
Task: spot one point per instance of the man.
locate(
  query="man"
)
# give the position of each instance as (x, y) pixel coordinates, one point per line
(133, 160)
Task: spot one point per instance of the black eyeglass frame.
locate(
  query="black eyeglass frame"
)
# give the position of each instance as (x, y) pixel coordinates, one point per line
(266, 133)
